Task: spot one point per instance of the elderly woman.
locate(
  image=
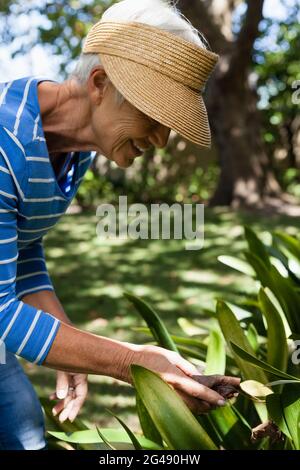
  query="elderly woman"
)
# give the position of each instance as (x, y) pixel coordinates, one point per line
(141, 73)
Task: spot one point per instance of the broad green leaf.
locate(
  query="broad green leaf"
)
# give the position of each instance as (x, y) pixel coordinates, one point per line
(276, 413)
(277, 350)
(290, 263)
(239, 312)
(91, 436)
(181, 340)
(237, 264)
(198, 349)
(191, 328)
(233, 432)
(103, 438)
(148, 427)
(257, 247)
(291, 243)
(290, 399)
(53, 423)
(130, 434)
(171, 416)
(189, 352)
(243, 354)
(281, 287)
(233, 332)
(252, 337)
(157, 327)
(216, 355)
(255, 389)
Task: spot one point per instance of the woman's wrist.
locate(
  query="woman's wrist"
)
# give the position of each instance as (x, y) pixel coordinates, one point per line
(74, 350)
(129, 354)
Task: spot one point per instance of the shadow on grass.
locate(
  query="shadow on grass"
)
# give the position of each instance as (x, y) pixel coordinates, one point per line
(90, 276)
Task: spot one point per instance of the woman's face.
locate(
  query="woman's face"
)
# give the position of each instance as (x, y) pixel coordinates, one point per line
(119, 127)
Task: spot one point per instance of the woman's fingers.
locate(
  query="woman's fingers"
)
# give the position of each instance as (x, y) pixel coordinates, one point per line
(80, 394)
(61, 405)
(226, 386)
(186, 367)
(69, 407)
(196, 390)
(196, 406)
(62, 384)
(66, 411)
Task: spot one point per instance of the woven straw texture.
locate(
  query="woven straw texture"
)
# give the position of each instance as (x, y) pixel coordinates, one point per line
(159, 73)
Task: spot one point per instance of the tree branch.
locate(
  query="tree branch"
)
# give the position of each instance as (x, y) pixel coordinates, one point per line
(249, 32)
(198, 14)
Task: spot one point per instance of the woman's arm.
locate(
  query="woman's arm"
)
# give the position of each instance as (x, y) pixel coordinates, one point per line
(48, 301)
(79, 351)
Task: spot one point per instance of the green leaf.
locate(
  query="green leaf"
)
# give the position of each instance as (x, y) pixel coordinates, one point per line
(281, 287)
(216, 354)
(237, 264)
(130, 434)
(290, 400)
(291, 243)
(181, 340)
(157, 327)
(277, 350)
(232, 331)
(257, 247)
(261, 364)
(198, 349)
(114, 436)
(252, 337)
(103, 438)
(189, 352)
(171, 416)
(283, 382)
(233, 431)
(148, 427)
(275, 411)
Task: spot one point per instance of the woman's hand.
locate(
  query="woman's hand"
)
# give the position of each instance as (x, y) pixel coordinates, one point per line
(71, 392)
(177, 372)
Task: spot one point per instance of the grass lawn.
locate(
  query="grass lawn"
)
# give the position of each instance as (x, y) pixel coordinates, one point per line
(90, 275)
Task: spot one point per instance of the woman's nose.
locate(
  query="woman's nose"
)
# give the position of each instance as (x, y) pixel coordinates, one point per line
(160, 136)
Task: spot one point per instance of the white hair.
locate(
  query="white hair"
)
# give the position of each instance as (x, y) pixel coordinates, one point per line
(162, 14)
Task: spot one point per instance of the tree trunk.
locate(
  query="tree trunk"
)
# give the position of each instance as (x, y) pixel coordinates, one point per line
(246, 175)
(246, 178)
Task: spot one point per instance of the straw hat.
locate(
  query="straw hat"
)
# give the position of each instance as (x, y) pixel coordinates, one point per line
(159, 73)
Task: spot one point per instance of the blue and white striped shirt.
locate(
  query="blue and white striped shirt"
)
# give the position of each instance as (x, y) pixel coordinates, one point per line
(32, 199)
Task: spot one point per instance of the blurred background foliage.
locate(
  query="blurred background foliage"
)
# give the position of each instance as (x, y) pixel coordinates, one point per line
(255, 158)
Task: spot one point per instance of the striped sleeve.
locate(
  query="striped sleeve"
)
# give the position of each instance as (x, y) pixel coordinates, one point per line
(25, 331)
(32, 273)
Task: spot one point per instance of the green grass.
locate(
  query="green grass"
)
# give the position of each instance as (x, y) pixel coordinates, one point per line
(90, 275)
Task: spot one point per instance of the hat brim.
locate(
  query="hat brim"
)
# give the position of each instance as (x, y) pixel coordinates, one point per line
(169, 102)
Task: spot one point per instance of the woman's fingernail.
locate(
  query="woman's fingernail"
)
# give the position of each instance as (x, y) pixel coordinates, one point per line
(61, 394)
(221, 403)
(54, 412)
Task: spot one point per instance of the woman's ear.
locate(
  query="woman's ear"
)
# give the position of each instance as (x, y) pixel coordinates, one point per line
(97, 83)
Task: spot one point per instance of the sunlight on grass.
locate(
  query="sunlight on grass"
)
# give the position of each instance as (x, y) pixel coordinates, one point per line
(91, 274)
